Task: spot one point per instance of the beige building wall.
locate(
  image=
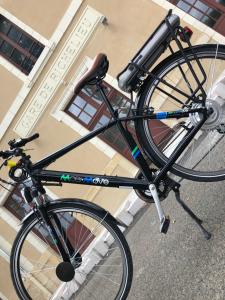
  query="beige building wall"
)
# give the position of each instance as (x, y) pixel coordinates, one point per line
(42, 16)
(6, 286)
(10, 87)
(7, 237)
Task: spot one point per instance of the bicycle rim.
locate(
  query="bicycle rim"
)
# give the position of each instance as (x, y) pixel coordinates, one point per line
(101, 260)
(199, 161)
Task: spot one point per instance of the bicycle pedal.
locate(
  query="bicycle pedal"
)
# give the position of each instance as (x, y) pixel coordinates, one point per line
(165, 223)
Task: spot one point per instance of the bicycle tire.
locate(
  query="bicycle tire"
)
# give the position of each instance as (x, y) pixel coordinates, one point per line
(196, 171)
(30, 283)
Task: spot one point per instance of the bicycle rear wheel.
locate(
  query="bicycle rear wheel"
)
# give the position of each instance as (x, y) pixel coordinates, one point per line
(159, 139)
(101, 264)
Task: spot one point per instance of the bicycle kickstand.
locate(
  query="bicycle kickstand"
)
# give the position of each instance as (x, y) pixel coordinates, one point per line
(176, 190)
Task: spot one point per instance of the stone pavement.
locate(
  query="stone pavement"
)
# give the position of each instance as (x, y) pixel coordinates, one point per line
(182, 264)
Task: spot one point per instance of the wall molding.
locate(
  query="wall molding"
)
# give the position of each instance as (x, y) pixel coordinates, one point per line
(78, 38)
(41, 62)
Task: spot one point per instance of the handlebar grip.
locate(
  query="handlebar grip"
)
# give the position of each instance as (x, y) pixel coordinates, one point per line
(32, 137)
(22, 142)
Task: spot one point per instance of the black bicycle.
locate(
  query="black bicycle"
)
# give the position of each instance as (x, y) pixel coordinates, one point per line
(74, 249)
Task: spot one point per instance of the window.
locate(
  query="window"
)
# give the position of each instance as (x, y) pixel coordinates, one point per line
(209, 12)
(18, 47)
(89, 109)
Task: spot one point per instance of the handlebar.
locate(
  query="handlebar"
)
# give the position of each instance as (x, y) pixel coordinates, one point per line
(15, 144)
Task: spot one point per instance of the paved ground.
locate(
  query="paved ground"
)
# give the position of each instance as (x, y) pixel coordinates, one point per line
(182, 264)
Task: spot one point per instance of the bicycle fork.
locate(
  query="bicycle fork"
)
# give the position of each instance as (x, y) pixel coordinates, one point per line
(164, 220)
(52, 224)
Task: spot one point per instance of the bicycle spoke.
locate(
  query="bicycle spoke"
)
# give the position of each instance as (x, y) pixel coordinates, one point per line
(213, 71)
(160, 143)
(42, 281)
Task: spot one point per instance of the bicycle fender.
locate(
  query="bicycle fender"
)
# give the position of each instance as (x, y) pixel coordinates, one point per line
(31, 213)
(80, 202)
(94, 206)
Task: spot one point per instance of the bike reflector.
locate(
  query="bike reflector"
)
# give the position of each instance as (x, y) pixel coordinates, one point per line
(186, 34)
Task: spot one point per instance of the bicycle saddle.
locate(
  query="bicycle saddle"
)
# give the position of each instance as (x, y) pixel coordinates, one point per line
(97, 70)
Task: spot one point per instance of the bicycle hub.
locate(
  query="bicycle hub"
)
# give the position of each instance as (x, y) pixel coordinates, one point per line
(65, 271)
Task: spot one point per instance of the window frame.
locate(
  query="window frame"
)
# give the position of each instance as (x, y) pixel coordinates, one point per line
(219, 23)
(16, 46)
(102, 110)
(125, 152)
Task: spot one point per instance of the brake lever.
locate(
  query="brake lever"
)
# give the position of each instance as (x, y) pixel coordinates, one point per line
(5, 154)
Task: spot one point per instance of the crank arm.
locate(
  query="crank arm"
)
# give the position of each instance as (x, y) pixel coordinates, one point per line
(164, 220)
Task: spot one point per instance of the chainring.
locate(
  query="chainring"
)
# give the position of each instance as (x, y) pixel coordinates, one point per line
(163, 188)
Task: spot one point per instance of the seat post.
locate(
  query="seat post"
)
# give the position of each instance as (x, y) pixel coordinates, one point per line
(113, 112)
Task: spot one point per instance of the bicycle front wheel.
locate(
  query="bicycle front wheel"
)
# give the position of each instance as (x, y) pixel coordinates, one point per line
(100, 266)
(201, 161)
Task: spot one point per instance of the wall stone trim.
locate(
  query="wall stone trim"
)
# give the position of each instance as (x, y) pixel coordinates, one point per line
(71, 49)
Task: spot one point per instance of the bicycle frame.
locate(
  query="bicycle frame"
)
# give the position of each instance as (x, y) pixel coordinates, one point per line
(115, 181)
(41, 177)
